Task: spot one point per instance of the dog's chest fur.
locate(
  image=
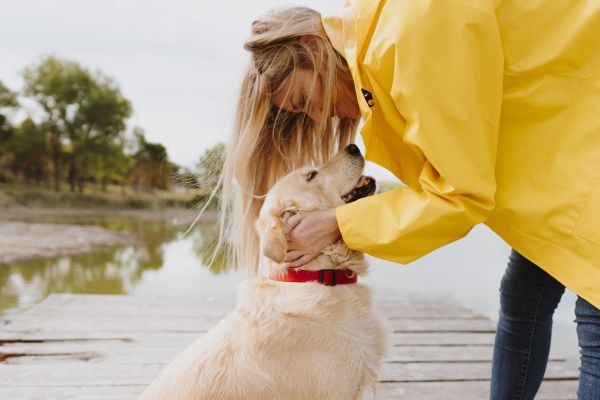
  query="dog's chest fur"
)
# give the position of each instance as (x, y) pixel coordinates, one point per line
(283, 341)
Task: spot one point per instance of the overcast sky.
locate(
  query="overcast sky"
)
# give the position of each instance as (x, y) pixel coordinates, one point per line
(179, 62)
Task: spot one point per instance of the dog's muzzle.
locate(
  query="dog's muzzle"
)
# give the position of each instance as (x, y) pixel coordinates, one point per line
(366, 186)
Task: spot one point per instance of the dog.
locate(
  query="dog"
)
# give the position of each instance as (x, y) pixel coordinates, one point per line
(303, 334)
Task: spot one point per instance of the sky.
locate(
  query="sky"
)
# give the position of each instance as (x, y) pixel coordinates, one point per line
(179, 62)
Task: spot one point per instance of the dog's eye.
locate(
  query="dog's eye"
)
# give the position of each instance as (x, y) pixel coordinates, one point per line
(311, 175)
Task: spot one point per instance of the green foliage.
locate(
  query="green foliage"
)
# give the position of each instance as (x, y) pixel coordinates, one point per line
(7, 97)
(8, 100)
(112, 197)
(85, 115)
(151, 166)
(79, 135)
(30, 152)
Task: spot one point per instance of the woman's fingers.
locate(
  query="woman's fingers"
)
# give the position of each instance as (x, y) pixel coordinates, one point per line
(293, 255)
(292, 222)
(307, 234)
(301, 261)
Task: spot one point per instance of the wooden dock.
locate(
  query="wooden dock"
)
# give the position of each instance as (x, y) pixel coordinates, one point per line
(105, 347)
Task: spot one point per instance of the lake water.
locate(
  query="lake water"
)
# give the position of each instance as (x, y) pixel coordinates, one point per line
(166, 262)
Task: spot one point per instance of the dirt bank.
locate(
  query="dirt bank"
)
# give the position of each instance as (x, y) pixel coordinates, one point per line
(20, 240)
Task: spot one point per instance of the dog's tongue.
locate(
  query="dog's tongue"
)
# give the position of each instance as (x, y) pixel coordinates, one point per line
(363, 180)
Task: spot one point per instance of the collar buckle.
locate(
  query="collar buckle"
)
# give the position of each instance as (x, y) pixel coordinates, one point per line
(332, 281)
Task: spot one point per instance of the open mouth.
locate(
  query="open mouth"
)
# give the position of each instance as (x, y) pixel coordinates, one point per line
(365, 186)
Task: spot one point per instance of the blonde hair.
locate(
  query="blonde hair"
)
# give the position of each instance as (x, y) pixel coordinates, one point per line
(267, 141)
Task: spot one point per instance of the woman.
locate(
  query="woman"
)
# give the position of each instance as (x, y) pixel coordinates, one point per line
(487, 112)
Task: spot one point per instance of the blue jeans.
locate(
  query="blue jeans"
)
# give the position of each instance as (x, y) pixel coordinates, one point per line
(528, 298)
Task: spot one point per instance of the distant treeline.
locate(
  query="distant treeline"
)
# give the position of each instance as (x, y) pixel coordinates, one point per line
(77, 134)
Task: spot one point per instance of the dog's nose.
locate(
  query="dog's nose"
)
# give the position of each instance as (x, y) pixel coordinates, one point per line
(353, 150)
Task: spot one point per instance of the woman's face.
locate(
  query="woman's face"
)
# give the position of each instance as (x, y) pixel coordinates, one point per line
(298, 91)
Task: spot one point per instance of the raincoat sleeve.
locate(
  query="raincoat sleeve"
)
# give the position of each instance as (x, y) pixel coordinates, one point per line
(444, 75)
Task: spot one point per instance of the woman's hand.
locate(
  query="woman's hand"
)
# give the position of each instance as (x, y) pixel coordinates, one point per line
(308, 234)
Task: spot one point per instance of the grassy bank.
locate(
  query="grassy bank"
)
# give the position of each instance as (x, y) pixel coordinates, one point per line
(114, 197)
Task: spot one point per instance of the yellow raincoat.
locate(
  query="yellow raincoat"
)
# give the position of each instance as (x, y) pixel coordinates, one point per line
(488, 112)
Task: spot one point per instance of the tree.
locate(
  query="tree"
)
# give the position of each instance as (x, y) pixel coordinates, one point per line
(109, 162)
(8, 100)
(100, 132)
(56, 86)
(151, 168)
(83, 113)
(31, 155)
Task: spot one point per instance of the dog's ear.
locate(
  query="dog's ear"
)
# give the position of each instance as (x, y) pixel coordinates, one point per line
(271, 231)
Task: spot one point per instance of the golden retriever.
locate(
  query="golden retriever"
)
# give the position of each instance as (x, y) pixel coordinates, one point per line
(290, 340)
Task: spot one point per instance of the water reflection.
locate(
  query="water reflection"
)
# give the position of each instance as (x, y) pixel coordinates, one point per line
(205, 244)
(116, 270)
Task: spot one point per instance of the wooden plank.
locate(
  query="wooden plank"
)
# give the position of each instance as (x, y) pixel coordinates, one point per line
(108, 301)
(441, 339)
(120, 305)
(132, 352)
(550, 390)
(427, 310)
(88, 308)
(149, 338)
(157, 338)
(63, 320)
(171, 308)
(85, 346)
(443, 353)
(135, 351)
(66, 323)
(145, 300)
(111, 300)
(439, 353)
(69, 372)
(440, 325)
(102, 392)
(459, 371)
(72, 373)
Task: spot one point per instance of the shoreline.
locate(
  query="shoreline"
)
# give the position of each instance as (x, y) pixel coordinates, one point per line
(28, 233)
(30, 241)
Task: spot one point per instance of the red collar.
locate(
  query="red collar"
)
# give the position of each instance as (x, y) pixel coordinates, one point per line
(328, 277)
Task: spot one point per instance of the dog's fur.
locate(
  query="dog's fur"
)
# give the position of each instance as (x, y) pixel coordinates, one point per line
(304, 341)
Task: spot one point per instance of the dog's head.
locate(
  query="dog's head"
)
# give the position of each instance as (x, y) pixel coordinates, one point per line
(337, 182)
